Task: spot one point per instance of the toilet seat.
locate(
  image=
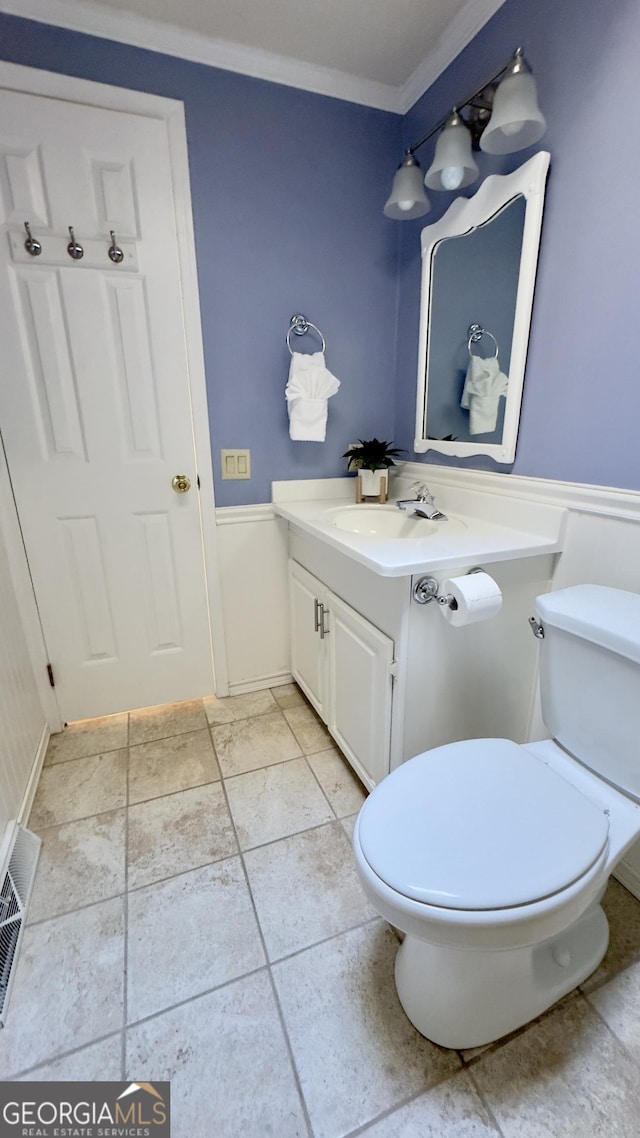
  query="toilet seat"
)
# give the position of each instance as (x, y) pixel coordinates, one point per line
(479, 825)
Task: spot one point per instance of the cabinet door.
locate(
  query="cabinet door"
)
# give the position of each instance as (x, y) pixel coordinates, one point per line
(360, 682)
(307, 598)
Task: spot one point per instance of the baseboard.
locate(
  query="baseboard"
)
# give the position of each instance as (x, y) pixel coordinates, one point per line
(261, 682)
(628, 877)
(32, 784)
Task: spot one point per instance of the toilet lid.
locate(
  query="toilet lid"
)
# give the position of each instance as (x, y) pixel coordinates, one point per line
(482, 824)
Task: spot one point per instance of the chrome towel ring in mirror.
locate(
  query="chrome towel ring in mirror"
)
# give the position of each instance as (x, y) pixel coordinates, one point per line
(476, 332)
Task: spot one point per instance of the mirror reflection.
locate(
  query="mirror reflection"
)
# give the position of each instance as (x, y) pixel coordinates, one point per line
(479, 263)
(475, 282)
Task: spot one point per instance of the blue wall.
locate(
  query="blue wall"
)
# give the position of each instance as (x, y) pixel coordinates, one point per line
(287, 193)
(581, 409)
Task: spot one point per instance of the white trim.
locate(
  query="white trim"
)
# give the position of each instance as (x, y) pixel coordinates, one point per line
(35, 81)
(278, 679)
(460, 31)
(120, 26)
(139, 31)
(171, 112)
(238, 515)
(629, 877)
(177, 132)
(32, 784)
(605, 501)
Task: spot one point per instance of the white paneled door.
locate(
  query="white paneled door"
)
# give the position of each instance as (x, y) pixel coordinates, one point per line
(95, 408)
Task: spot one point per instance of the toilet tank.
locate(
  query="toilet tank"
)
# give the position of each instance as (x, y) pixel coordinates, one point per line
(590, 678)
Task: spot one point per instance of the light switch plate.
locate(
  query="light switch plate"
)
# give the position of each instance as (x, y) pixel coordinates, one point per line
(235, 463)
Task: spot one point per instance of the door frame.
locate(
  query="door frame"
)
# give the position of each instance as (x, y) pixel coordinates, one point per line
(32, 81)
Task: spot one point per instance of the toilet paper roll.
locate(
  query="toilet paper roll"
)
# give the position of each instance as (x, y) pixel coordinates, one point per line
(476, 596)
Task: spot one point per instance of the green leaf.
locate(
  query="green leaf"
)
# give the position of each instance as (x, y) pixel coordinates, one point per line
(372, 454)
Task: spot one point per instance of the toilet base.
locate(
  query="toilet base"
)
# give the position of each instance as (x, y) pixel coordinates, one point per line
(460, 997)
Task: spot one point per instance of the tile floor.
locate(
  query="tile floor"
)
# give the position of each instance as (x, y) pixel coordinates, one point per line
(196, 917)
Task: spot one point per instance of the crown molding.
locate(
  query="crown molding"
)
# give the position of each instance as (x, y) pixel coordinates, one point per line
(460, 31)
(98, 19)
(139, 31)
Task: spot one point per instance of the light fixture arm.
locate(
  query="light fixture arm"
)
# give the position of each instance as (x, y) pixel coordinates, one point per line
(516, 65)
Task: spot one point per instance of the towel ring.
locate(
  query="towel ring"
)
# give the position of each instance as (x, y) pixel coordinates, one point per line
(476, 332)
(300, 326)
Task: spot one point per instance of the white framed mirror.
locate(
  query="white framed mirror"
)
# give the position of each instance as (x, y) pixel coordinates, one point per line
(478, 277)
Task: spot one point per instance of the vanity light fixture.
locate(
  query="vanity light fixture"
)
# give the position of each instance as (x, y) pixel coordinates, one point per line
(502, 116)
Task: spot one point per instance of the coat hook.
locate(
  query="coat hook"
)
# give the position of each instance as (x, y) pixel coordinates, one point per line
(31, 245)
(73, 248)
(115, 253)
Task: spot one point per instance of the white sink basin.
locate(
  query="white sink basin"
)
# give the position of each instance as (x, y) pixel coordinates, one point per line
(387, 522)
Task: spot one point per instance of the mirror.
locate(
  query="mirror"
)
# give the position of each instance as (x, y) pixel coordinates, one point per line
(478, 275)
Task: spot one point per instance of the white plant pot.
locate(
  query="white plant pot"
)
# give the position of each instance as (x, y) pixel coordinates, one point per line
(372, 482)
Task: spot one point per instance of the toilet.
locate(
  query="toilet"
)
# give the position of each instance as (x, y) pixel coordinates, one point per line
(492, 857)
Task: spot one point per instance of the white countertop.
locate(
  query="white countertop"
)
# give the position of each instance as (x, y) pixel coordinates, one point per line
(477, 539)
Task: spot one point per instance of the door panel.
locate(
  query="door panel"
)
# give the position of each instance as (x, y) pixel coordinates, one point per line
(95, 410)
(22, 185)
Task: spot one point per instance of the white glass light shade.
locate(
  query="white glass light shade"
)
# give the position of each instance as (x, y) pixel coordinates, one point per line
(407, 199)
(453, 164)
(516, 120)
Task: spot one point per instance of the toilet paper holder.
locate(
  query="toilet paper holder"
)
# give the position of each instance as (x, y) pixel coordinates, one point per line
(425, 590)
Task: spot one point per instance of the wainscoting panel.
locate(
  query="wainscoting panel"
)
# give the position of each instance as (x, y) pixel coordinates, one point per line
(253, 569)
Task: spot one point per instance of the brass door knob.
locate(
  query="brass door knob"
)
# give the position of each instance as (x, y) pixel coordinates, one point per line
(181, 483)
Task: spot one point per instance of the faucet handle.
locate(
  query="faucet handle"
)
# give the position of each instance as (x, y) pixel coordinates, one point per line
(422, 492)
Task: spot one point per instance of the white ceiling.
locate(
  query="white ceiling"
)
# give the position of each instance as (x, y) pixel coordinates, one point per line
(383, 53)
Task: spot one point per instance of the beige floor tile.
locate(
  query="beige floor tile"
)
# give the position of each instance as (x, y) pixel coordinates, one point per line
(341, 786)
(179, 832)
(356, 1053)
(618, 1002)
(452, 1110)
(227, 1061)
(305, 889)
(189, 934)
(348, 824)
(236, 707)
(289, 695)
(253, 743)
(88, 737)
(97, 1062)
(80, 788)
(308, 729)
(274, 802)
(168, 719)
(566, 1076)
(167, 765)
(68, 988)
(80, 863)
(623, 914)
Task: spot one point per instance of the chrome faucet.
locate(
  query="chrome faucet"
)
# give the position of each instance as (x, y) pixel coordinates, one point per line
(423, 505)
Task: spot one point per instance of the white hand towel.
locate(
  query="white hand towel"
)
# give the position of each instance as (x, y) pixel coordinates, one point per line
(309, 386)
(484, 384)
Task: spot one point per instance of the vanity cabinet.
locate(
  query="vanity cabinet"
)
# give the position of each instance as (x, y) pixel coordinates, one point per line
(392, 678)
(345, 666)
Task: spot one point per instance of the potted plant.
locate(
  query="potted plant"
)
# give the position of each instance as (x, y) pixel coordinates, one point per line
(371, 458)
